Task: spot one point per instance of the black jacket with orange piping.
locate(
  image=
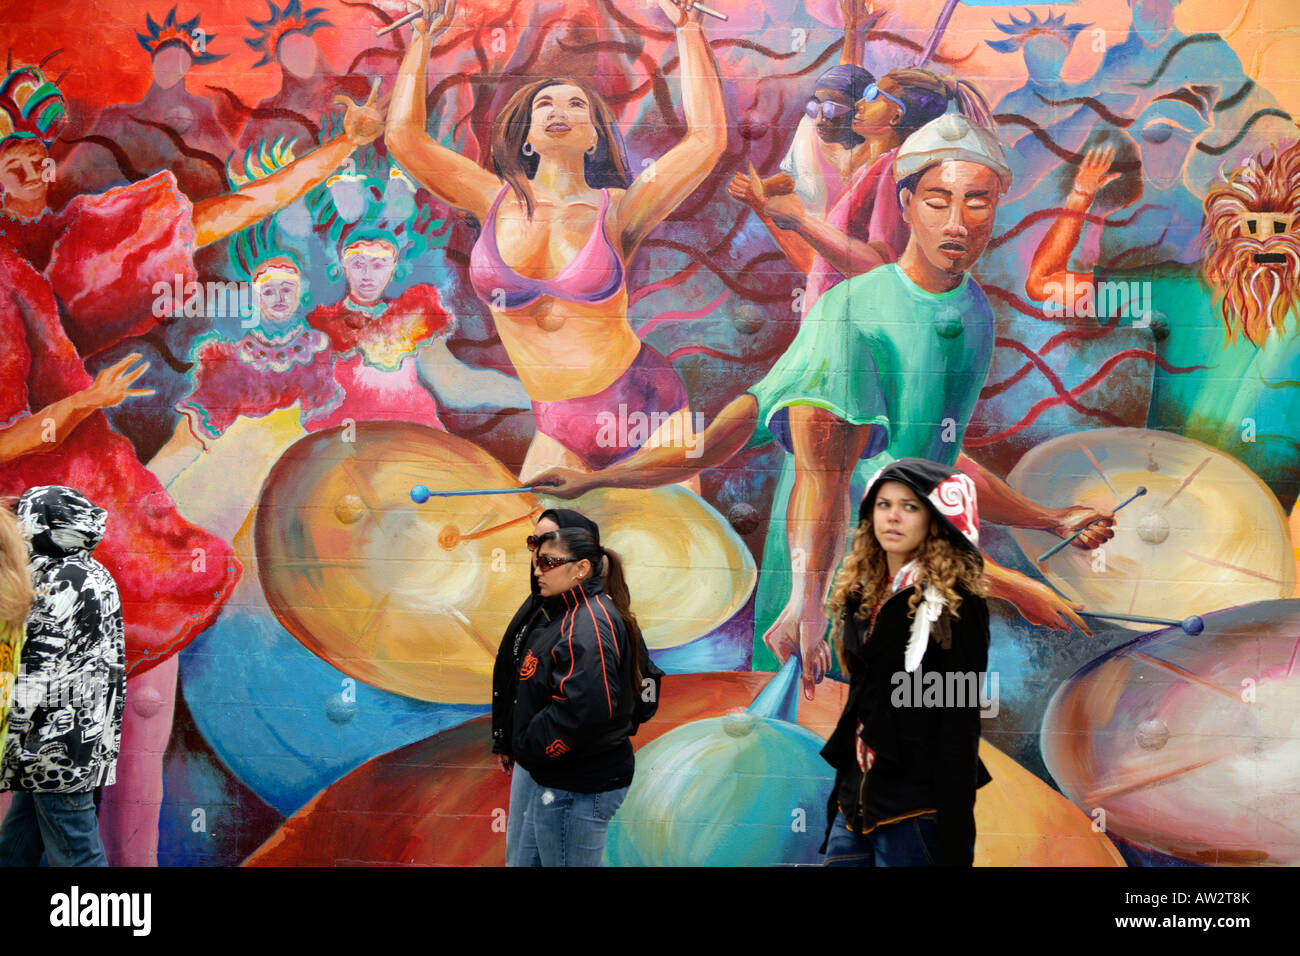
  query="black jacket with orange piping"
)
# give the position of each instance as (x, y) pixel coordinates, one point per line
(571, 700)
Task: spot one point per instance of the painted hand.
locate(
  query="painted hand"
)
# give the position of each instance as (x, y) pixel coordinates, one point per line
(1041, 606)
(112, 385)
(561, 482)
(437, 15)
(1100, 525)
(363, 123)
(680, 13)
(1093, 174)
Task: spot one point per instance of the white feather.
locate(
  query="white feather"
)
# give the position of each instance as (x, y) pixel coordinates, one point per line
(931, 606)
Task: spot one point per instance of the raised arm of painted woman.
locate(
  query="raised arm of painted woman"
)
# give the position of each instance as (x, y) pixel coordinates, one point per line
(666, 183)
(222, 216)
(1050, 267)
(453, 178)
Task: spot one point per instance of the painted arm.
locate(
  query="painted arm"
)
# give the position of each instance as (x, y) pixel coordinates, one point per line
(222, 216)
(666, 464)
(753, 191)
(456, 180)
(1037, 603)
(807, 234)
(663, 186)
(1049, 272)
(860, 18)
(58, 419)
(999, 503)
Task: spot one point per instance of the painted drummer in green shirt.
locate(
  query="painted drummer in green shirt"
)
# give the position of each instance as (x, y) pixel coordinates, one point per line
(887, 365)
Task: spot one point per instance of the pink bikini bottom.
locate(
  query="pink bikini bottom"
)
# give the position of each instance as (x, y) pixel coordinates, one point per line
(609, 426)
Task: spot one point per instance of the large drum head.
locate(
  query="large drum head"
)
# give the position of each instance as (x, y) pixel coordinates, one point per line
(409, 598)
(1208, 534)
(687, 570)
(1189, 744)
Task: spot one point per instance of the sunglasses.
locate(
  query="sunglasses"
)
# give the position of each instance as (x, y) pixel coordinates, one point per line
(547, 562)
(533, 541)
(827, 108)
(873, 93)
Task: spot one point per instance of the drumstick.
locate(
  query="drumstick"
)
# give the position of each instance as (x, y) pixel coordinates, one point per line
(420, 493)
(1190, 625)
(703, 9)
(413, 15)
(1057, 547)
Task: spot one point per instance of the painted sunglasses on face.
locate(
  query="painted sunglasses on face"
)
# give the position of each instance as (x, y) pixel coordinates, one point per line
(548, 562)
(827, 108)
(873, 93)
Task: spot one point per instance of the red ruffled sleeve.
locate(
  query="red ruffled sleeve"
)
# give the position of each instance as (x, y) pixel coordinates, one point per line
(112, 250)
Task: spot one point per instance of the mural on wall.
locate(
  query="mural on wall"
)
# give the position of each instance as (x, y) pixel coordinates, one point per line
(265, 270)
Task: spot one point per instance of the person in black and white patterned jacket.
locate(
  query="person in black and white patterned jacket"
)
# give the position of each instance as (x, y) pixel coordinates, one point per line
(65, 724)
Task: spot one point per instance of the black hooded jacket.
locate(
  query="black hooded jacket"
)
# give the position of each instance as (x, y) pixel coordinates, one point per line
(918, 732)
(565, 670)
(926, 749)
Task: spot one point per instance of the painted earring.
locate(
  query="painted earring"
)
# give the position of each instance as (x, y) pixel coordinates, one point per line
(592, 151)
(527, 148)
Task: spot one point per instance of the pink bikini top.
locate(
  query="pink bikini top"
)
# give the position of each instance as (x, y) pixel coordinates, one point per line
(595, 275)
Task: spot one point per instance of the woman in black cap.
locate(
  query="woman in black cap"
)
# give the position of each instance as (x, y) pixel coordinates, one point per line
(506, 669)
(912, 631)
(572, 681)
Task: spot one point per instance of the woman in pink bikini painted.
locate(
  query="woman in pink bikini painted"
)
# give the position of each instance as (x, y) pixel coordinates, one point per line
(560, 223)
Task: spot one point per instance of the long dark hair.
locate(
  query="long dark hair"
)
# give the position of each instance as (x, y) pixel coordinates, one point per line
(605, 169)
(927, 95)
(580, 543)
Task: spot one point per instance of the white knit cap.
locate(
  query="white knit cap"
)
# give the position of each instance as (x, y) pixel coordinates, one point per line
(951, 137)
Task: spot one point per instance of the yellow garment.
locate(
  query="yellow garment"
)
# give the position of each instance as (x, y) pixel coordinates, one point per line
(11, 648)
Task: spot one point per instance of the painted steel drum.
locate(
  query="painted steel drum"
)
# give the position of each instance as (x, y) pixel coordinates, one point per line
(1190, 745)
(688, 571)
(1208, 534)
(443, 801)
(413, 598)
(409, 598)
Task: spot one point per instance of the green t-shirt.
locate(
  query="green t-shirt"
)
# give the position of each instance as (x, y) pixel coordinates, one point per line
(879, 350)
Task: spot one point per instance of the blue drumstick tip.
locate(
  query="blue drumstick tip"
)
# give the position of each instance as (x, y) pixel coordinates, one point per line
(1192, 625)
(419, 494)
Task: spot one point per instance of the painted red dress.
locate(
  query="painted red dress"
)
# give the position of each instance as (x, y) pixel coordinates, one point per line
(71, 284)
(265, 370)
(374, 355)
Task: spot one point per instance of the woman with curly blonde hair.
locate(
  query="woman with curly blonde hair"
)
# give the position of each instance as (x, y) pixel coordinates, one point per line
(15, 599)
(912, 631)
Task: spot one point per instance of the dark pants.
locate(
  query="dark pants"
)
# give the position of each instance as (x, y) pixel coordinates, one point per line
(908, 842)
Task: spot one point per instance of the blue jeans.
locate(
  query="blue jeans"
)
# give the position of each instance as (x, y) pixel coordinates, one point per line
(522, 789)
(563, 828)
(63, 825)
(908, 842)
